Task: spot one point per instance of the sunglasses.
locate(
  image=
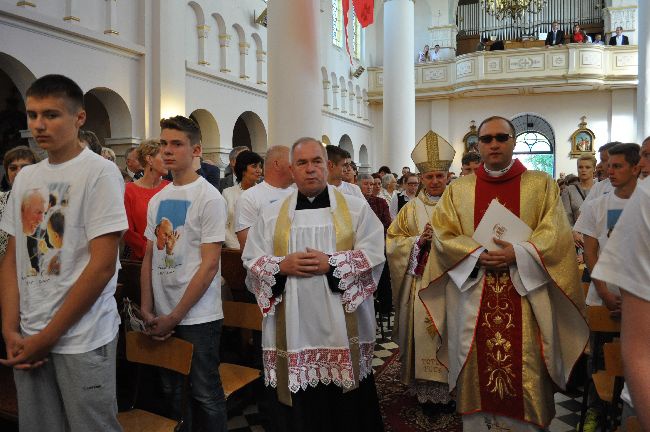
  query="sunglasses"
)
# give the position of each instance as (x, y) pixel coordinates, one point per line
(500, 137)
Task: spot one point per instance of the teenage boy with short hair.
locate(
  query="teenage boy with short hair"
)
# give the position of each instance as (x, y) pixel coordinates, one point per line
(186, 225)
(59, 317)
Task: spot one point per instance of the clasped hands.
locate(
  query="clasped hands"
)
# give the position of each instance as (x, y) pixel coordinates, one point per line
(159, 327)
(26, 353)
(499, 259)
(426, 236)
(312, 262)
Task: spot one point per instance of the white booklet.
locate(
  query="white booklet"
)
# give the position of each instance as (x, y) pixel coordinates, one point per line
(501, 223)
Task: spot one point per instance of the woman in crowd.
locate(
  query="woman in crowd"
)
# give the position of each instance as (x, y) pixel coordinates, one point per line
(578, 36)
(574, 194)
(15, 159)
(388, 186)
(376, 186)
(137, 195)
(248, 171)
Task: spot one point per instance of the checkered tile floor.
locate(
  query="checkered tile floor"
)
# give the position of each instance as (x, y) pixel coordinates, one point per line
(567, 407)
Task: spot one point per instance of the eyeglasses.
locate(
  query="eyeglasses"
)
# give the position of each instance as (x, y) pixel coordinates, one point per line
(412, 184)
(500, 137)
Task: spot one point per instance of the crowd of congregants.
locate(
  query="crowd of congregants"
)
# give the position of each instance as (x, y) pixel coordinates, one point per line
(489, 327)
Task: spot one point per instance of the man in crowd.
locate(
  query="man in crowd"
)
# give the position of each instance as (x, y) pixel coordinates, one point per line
(338, 161)
(314, 259)
(625, 261)
(398, 201)
(597, 219)
(60, 324)
(509, 320)
(133, 168)
(470, 163)
(229, 178)
(555, 36)
(619, 38)
(276, 185)
(407, 245)
(180, 279)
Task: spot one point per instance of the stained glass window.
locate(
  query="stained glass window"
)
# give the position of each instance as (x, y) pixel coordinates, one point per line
(356, 35)
(337, 23)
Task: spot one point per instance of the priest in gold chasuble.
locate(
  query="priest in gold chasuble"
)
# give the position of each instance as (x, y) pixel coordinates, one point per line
(510, 321)
(408, 244)
(314, 260)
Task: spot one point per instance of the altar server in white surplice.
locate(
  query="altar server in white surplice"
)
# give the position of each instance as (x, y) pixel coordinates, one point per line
(314, 260)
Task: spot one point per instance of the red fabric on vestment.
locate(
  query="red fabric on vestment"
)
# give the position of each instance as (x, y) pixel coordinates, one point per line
(499, 325)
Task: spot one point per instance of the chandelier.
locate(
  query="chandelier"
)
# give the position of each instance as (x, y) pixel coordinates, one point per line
(514, 9)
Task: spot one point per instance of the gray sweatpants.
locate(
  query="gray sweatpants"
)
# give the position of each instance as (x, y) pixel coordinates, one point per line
(70, 393)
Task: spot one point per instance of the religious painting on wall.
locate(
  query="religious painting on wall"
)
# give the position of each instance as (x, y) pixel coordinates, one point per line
(471, 138)
(582, 140)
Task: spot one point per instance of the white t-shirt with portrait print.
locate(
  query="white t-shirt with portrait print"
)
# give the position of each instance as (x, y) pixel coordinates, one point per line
(179, 220)
(597, 219)
(626, 258)
(87, 196)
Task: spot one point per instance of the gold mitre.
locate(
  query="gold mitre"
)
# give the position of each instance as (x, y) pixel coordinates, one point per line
(433, 153)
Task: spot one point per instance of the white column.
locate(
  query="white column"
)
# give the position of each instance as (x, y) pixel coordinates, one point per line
(243, 52)
(399, 84)
(359, 101)
(295, 80)
(261, 69)
(202, 31)
(224, 43)
(72, 11)
(335, 96)
(344, 99)
(643, 93)
(111, 18)
(351, 98)
(326, 93)
(168, 88)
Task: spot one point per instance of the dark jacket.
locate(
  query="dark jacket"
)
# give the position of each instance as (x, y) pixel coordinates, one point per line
(612, 40)
(559, 38)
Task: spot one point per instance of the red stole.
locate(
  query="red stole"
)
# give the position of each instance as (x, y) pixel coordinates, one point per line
(498, 334)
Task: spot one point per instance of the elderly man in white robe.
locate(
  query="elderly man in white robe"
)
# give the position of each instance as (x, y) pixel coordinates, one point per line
(314, 260)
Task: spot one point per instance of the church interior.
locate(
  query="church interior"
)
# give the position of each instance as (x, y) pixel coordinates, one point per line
(263, 73)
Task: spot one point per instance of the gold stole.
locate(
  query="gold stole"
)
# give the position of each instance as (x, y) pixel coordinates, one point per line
(344, 241)
(425, 337)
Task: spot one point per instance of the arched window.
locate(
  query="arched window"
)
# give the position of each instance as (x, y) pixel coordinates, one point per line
(337, 23)
(356, 35)
(535, 143)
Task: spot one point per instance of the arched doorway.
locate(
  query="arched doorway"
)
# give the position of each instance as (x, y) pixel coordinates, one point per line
(346, 144)
(211, 138)
(535, 143)
(249, 131)
(15, 78)
(363, 155)
(107, 115)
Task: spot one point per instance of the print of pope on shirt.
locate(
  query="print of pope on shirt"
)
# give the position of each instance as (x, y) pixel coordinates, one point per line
(42, 215)
(170, 227)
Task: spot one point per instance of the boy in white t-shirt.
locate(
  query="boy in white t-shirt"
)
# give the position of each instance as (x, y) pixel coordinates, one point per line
(60, 322)
(186, 226)
(597, 219)
(599, 216)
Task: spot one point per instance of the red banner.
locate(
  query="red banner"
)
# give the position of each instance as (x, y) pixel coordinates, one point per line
(364, 10)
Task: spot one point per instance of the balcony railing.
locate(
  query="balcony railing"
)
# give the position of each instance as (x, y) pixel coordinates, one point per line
(573, 67)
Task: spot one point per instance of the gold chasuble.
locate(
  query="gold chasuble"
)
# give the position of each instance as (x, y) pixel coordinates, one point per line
(507, 352)
(413, 331)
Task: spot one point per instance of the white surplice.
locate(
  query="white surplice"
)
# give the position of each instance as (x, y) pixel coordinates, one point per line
(317, 340)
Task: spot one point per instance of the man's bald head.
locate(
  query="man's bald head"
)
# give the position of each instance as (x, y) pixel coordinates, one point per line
(277, 170)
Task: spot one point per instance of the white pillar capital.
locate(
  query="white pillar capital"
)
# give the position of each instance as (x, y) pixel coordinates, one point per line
(224, 40)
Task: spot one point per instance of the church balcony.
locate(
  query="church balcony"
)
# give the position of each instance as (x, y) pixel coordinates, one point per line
(569, 68)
